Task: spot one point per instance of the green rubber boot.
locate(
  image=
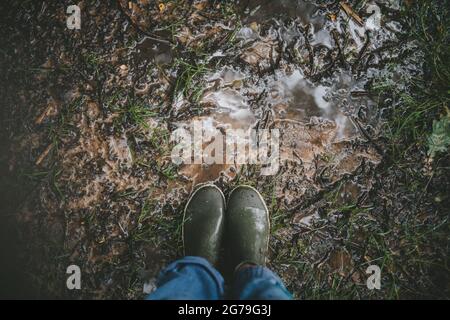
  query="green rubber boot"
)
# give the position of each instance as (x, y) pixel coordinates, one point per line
(247, 227)
(203, 223)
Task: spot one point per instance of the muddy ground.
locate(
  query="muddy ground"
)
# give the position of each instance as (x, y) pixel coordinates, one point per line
(87, 117)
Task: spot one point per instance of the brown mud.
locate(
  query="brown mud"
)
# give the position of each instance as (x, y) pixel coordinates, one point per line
(94, 110)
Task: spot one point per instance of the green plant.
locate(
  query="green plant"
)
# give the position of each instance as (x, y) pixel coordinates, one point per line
(439, 140)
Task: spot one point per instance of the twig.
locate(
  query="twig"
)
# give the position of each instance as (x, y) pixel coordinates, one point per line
(44, 154)
(352, 14)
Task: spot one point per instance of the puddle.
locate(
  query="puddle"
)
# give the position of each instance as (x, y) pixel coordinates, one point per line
(294, 97)
(240, 96)
(261, 11)
(285, 70)
(149, 49)
(317, 113)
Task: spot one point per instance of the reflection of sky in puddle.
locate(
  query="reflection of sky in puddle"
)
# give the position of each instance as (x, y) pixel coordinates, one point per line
(290, 96)
(295, 98)
(260, 11)
(149, 48)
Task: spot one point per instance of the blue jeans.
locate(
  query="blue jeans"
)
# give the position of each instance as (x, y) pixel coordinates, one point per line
(194, 278)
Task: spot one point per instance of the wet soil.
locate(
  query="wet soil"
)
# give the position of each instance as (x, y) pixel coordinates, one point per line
(89, 115)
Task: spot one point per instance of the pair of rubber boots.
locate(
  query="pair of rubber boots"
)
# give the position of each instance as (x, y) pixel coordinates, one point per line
(239, 226)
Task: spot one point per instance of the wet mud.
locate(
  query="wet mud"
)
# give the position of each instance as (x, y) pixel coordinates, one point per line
(99, 105)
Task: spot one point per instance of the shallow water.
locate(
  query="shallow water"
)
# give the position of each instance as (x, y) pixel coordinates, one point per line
(283, 87)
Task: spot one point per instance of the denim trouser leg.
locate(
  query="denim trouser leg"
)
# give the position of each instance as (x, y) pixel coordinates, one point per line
(194, 278)
(259, 283)
(190, 278)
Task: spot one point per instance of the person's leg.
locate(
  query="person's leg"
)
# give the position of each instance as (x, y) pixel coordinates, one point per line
(253, 282)
(190, 278)
(194, 276)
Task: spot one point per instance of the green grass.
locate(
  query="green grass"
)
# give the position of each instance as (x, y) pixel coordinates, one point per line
(132, 111)
(63, 125)
(429, 95)
(187, 81)
(158, 228)
(139, 113)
